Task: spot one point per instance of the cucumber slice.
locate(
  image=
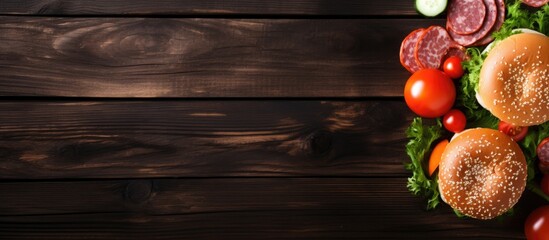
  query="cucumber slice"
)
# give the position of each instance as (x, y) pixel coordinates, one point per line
(431, 8)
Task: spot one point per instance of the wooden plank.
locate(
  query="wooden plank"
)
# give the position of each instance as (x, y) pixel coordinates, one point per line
(163, 57)
(241, 208)
(207, 7)
(44, 140)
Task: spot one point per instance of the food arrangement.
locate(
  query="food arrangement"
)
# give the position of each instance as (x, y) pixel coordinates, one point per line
(480, 86)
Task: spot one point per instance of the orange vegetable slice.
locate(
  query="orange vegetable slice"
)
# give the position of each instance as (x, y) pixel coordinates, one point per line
(436, 156)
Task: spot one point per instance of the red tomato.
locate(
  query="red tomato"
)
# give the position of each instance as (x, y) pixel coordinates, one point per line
(545, 184)
(517, 133)
(536, 226)
(430, 93)
(452, 67)
(454, 121)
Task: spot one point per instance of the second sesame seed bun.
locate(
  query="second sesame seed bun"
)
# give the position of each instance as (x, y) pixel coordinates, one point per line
(482, 173)
(514, 80)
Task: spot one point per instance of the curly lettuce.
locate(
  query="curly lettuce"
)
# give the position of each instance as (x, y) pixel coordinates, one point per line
(422, 136)
(517, 17)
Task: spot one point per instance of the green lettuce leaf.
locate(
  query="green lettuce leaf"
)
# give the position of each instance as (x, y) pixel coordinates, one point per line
(421, 137)
(518, 17)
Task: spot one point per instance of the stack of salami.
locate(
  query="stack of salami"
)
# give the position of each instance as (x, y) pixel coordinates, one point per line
(469, 23)
(427, 48)
(472, 22)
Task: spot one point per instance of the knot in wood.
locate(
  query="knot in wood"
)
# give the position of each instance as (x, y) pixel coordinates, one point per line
(319, 143)
(139, 191)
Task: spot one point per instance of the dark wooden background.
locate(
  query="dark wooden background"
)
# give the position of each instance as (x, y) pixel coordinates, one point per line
(212, 119)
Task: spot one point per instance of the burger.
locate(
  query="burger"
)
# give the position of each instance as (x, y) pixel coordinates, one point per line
(482, 173)
(514, 79)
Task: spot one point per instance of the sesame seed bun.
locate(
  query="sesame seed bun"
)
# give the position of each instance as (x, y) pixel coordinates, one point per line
(482, 173)
(514, 80)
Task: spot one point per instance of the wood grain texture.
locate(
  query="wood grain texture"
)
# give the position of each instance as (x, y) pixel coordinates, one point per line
(45, 140)
(246, 208)
(163, 57)
(207, 7)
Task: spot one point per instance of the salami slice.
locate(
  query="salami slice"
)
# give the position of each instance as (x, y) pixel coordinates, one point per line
(535, 3)
(499, 22)
(465, 16)
(543, 168)
(489, 21)
(543, 155)
(457, 51)
(407, 48)
(431, 47)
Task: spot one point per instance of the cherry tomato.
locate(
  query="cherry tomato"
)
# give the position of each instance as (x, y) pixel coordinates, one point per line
(517, 133)
(545, 184)
(536, 226)
(436, 156)
(430, 93)
(452, 67)
(454, 121)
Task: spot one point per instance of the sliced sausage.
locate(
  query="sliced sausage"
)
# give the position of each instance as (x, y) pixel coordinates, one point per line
(407, 48)
(432, 46)
(535, 3)
(488, 23)
(499, 22)
(543, 155)
(457, 51)
(465, 16)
